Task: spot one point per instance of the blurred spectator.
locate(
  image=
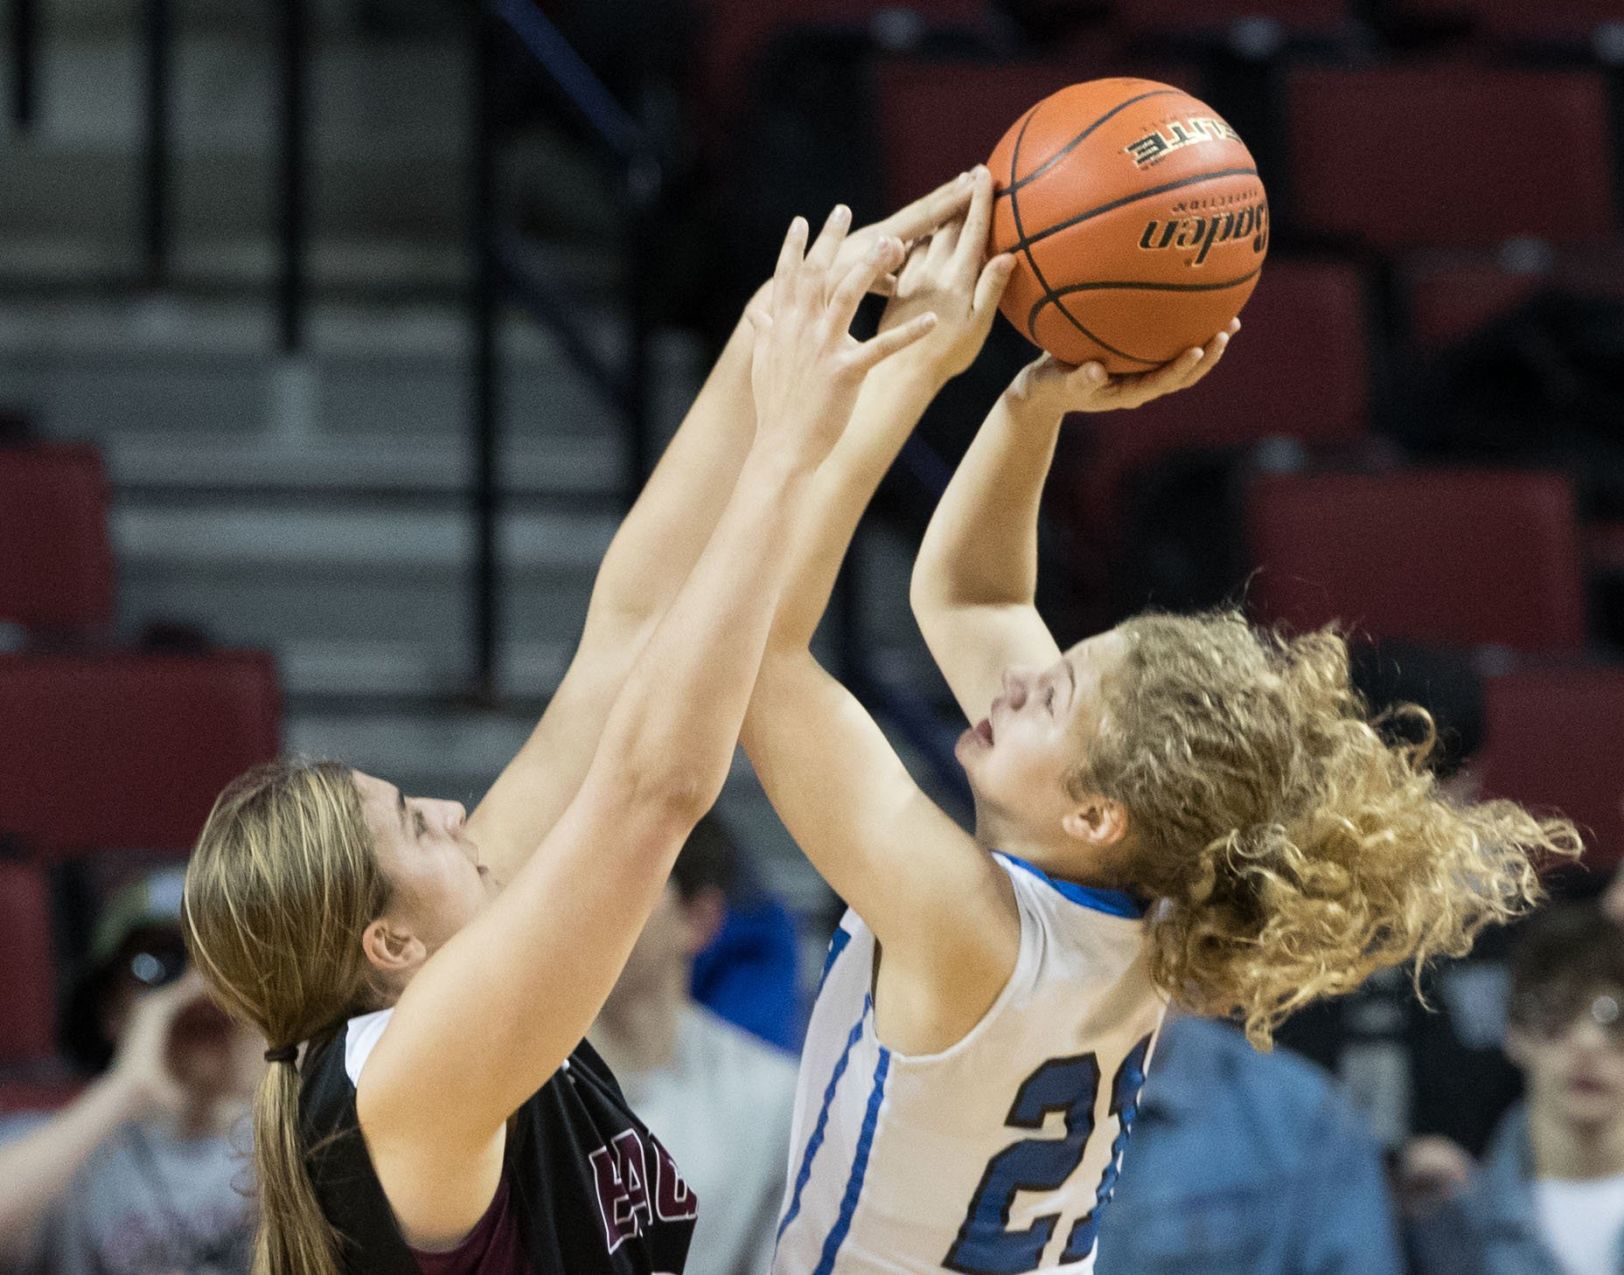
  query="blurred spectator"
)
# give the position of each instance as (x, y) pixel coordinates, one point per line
(1244, 1163)
(749, 973)
(146, 1170)
(1549, 1200)
(719, 1098)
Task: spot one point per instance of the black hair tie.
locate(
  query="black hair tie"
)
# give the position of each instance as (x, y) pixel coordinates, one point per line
(287, 1054)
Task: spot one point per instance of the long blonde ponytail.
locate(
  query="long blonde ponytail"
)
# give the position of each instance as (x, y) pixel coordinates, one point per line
(282, 883)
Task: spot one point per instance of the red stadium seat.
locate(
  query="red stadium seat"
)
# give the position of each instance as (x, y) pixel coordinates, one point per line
(1450, 156)
(737, 32)
(127, 751)
(1457, 557)
(1449, 296)
(1553, 741)
(1157, 19)
(56, 572)
(28, 996)
(26, 1096)
(982, 100)
(914, 96)
(1569, 22)
(1299, 368)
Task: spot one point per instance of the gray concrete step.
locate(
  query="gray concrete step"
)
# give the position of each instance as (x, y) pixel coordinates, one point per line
(189, 396)
(389, 139)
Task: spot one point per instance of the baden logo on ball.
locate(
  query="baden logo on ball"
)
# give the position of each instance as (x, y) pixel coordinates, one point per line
(1137, 218)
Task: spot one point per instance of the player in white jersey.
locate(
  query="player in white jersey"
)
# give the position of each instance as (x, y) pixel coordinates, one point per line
(1183, 807)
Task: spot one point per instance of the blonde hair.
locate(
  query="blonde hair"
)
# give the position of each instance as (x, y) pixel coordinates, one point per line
(282, 884)
(1292, 849)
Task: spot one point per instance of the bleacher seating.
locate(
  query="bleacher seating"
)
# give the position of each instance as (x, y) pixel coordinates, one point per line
(982, 99)
(1163, 19)
(1553, 740)
(28, 1002)
(1449, 155)
(1449, 296)
(1298, 369)
(1462, 558)
(737, 32)
(56, 571)
(127, 751)
(1572, 23)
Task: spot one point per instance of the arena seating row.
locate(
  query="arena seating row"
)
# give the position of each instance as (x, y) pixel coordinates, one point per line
(107, 752)
(1489, 154)
(736, 31)
(1512, 22)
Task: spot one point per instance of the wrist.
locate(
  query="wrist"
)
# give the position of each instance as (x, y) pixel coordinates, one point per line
(779, 465)
(904, 380)
(1031, 410)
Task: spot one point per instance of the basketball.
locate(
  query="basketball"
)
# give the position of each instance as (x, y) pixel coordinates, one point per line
(1137, 218)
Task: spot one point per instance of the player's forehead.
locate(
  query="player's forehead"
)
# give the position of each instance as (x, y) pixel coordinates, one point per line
(1095, 659)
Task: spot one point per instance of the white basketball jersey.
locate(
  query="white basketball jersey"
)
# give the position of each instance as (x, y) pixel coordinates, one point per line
(996, 1155)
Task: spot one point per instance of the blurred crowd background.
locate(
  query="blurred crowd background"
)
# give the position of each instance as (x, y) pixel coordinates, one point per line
(335, 335)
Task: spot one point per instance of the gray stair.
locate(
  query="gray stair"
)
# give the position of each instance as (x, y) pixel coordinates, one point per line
(317, 506)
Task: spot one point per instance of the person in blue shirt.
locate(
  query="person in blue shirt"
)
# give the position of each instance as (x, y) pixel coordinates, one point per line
(1246, 1163)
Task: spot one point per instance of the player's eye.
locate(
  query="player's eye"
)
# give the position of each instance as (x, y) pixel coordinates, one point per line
(1048, 699)
(422, 824)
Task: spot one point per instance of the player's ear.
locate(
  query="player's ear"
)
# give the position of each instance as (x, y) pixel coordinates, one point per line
(392, 949)
(1097, 821)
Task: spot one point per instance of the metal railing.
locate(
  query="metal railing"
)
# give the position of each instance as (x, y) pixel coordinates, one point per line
(501, 276)
(155, 192)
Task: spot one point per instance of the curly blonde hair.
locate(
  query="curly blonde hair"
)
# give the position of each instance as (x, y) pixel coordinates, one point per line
(1293, 848)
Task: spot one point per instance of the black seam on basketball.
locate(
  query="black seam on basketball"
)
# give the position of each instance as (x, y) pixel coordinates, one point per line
(1072, 145)
(1026, 248)
(1134, 285)
(1056, 297)
(1025, 244)
(1053, 298)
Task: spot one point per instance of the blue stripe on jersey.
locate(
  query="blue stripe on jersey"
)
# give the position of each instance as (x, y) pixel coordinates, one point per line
(837, 945)
(818, 1130)
(1111, 902)
(859, 1168)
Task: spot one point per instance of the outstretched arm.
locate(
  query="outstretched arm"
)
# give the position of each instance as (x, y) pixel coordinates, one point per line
(936, 901)
(975, 580)
(490, 1016)
(647, 562)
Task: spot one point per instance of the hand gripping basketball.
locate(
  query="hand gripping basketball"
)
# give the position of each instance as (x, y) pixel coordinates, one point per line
(1052, 388)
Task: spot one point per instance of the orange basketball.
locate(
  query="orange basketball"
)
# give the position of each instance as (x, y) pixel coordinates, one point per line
(1137, 218)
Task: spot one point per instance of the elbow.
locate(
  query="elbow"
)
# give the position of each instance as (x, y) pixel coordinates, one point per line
(665, 798)
(925, 595)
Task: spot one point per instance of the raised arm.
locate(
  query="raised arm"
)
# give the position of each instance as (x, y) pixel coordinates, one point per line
(647, 562)
(932, 896)
(975, 580)
(489, 1017)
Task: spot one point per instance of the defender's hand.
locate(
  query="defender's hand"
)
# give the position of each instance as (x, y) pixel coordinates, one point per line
(807, 368)
(1052, 387)
(947, 274)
